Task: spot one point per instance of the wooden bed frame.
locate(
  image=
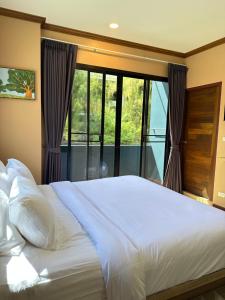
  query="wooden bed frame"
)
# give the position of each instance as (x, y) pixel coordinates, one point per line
(192, 288)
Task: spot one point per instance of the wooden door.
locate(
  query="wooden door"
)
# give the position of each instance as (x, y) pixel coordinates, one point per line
(200, 139)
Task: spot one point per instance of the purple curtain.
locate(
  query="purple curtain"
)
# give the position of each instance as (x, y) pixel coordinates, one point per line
(58, 65)
(177, 85)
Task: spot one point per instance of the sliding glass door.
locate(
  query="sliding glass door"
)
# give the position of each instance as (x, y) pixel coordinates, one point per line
(131, 125)
(116, 125)
(154, 130)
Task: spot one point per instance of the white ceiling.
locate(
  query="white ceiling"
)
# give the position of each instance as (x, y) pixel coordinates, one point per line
(179, 25)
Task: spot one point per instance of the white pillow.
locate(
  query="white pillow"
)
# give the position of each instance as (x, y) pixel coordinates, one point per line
(68, 228)
(32, 214)
(19, 167)
(5, 184)
(11, 242)
(6, 180)
(2, 167)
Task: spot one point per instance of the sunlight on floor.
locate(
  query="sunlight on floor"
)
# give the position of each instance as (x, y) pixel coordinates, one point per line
(198, 198)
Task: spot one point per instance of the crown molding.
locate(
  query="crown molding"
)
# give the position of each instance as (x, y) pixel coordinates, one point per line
(20, 15)
(102, 38)
(108, 39)
(205, 47)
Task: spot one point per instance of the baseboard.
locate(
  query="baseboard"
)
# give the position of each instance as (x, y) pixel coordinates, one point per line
(219, 207)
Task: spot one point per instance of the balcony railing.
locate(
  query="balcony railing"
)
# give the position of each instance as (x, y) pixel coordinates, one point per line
(152, 160)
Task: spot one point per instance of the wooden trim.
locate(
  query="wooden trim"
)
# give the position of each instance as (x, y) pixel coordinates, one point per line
(219, 86)
(51, 27)
(219, 207)
(20, 15)
(205, 47)
(108, 39)
(192, 288)
(199, 87)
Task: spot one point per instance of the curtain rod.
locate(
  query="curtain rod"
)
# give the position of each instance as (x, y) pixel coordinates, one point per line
(115, 53)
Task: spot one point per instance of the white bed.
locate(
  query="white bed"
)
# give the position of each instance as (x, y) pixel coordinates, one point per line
(142, 238)
(73, 273)
(148, 238)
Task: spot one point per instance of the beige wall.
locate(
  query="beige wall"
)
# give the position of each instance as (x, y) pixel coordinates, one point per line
(208, 67)
(20, 120)
(110, 61)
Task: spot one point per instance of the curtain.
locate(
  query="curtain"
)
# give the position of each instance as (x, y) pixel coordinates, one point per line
(167, 145)
(177, 85)
(58, 65)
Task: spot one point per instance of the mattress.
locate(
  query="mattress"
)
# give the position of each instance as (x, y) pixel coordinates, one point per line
(178, 238)
(72, 273)
(148, 238)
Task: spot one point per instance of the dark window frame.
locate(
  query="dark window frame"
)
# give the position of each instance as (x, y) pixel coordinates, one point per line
(120, 74)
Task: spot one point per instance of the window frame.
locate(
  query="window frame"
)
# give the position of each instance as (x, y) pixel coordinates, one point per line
(120, 74)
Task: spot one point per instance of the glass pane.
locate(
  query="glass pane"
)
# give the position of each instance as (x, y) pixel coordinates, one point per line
(65, 134)
(78, 162)
(79, 102)
(64, 151)
(131, 122)
(95, 102)
(94, 160)
(107, 168)
(95, 125)
(154, 151)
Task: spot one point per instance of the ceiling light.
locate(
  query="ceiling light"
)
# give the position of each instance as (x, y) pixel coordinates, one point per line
(113, 25)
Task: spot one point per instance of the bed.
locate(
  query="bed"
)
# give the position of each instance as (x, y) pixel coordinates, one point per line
(73, 272)
(138, 240)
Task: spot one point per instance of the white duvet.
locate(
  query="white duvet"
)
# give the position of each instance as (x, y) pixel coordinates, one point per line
(148, 238)
(73, 272)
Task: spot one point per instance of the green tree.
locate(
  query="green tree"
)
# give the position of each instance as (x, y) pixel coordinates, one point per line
(2, 87)
(21, 82)
(132, 103)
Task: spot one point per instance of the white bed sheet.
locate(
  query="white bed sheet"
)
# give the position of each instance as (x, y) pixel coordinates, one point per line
(165, 238)
(72, 273)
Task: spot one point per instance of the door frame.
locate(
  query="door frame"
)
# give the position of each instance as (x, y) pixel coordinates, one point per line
(120, 75)
(215, 137)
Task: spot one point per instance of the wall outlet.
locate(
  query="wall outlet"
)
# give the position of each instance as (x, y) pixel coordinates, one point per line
(221, 194)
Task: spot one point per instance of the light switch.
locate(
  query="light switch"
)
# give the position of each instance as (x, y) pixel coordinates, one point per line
(221, 194)
(223, 138)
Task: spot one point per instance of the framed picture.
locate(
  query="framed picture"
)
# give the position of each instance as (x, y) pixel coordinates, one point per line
(17, 84)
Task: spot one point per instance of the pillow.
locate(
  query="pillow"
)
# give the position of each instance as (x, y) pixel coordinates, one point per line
(32, 214)
(20, 168)
(68, 228)
(11, 242)
(6, 180)
(5, 184)
(2, 167)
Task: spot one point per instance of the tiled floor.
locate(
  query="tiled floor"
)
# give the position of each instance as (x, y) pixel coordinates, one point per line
(200, 199)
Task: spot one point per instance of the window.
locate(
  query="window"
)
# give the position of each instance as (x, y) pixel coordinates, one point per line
(116, 125)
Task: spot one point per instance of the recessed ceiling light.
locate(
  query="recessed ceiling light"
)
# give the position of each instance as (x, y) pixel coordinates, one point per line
(113, 25)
